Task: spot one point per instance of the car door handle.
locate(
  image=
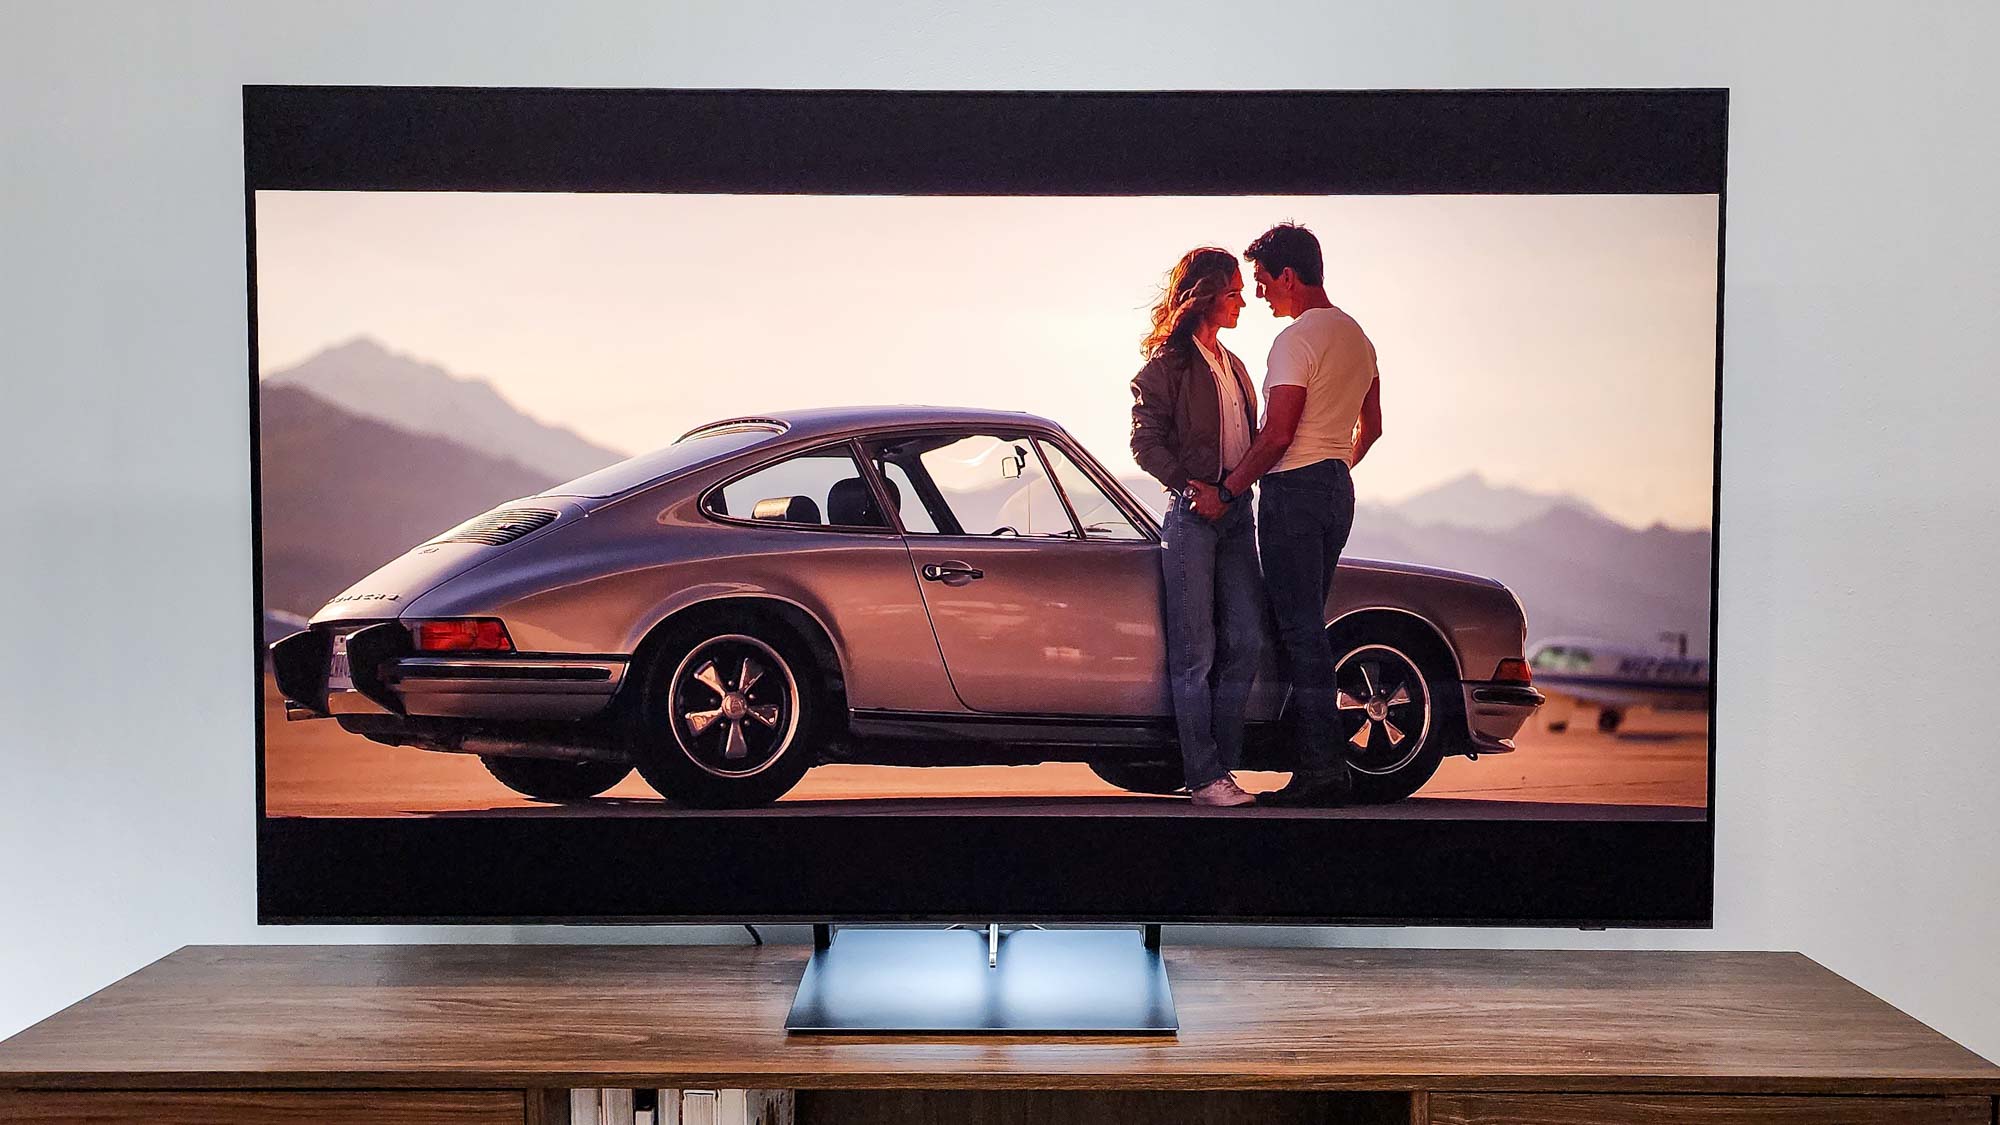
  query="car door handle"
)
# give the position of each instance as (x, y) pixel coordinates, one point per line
(951, 572)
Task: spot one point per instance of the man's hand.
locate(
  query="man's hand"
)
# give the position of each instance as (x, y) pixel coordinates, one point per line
(1281, 423)
(1207, 501)
(1368, 426)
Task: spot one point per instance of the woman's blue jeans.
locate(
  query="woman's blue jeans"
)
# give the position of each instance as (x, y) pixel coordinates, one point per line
(1215, 632)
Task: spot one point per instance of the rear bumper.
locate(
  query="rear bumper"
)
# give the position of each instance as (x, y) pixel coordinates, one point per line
(515, 687)
(385, 677)
(1494, 714)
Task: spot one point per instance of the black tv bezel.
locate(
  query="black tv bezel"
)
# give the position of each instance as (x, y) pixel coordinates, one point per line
(1307, 870)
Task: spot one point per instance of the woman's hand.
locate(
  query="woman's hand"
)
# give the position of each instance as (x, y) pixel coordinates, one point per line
(1207, 501)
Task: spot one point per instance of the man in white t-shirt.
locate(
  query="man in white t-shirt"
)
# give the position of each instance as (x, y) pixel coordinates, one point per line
(1323, 410)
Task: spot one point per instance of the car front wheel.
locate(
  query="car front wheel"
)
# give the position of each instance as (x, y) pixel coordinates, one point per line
(726, 717)
(548, 779)
(1141, 777)
(1396, 703)
(1386, 711)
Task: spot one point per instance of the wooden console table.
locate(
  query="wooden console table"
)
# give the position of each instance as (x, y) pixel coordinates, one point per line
(490, 1035)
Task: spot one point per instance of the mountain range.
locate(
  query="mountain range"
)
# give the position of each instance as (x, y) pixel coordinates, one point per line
(1470, 501)
(363, 377)
(366, 453)
(342, 494)
(1577, 571)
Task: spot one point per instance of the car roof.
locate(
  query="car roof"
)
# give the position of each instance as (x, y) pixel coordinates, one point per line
(832, 421)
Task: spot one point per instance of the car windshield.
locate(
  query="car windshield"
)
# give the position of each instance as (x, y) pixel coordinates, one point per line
(648, 467)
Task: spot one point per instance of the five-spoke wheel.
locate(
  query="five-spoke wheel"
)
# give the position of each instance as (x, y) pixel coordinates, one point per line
(726, 717)
(1385, 708)
(734, 704)
(1397, 701)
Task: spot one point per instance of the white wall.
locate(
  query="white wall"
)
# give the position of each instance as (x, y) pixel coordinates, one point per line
(1857, 817)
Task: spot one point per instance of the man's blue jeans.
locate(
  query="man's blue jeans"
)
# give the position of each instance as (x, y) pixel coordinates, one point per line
(1304, 516)
(1215, 633)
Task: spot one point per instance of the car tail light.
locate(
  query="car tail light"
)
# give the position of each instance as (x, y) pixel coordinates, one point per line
(1514, 670)
(463, 634)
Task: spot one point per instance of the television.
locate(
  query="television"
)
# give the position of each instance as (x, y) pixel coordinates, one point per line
(722, 505)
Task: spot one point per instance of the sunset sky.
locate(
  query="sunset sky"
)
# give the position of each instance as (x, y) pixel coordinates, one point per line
(1555, 343)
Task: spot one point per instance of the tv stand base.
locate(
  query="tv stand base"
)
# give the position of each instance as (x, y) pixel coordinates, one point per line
(1029, 981)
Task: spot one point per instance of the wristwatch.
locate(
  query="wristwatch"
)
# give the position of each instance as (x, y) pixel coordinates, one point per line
(1222, 492)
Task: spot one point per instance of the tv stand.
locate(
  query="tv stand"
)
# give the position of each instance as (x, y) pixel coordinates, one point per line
(984, 981)
(497, 1035)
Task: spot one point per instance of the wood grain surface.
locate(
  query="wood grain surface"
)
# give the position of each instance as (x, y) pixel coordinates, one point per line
(1597, 1109)
(494, 1017)
(1078, 1107)
(264, 1108)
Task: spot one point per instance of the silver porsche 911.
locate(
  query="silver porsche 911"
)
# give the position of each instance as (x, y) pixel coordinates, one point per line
(898, 585)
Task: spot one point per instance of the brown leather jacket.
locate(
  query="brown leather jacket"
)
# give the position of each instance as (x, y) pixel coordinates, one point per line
(1177, 416)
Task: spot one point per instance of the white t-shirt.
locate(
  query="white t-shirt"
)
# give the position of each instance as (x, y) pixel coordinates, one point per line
(1325, 352)
(1235, 413)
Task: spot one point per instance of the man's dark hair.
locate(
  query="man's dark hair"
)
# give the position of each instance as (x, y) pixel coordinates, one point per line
(1289, 246)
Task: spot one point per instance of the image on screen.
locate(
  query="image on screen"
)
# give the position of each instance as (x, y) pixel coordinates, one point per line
(683, 505)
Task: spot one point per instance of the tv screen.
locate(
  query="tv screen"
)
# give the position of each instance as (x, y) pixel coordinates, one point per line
(756, 505)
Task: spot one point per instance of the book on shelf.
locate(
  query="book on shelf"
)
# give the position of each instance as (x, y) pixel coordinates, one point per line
(615, 1107)
(725, 1107)
(680, 1107)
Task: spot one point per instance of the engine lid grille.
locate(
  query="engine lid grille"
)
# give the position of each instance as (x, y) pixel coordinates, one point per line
(502, 525)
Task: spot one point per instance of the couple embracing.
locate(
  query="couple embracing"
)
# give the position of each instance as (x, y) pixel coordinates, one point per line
(1229, 571)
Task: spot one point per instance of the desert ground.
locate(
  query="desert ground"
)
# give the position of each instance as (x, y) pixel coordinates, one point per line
(1655, 767)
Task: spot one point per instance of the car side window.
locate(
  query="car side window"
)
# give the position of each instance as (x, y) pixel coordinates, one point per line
(910, 505)
(1100, 516)
(823, 488)
(978, 485)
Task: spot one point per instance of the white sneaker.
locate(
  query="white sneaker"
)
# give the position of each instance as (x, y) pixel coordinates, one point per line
(1222, 793)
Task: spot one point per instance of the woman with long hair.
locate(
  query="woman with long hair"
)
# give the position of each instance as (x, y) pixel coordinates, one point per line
(1194, 413)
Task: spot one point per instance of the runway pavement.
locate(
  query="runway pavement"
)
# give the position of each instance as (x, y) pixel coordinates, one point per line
(1654, 768)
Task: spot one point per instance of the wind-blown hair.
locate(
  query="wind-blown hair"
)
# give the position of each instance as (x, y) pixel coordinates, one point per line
(1289, 244)
(1196, 283)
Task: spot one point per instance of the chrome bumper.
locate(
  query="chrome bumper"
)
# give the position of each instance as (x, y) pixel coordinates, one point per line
(1495, 712)
(512, 687)
(396, 682)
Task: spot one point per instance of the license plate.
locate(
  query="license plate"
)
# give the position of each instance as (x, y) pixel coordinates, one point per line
(338, 678)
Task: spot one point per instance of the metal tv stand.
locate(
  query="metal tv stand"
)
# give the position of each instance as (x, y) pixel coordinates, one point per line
(985, 980)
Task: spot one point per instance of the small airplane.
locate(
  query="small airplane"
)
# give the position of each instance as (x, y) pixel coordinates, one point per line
(1616, 678)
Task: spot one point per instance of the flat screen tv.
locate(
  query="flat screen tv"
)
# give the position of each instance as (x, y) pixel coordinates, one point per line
(704, 505)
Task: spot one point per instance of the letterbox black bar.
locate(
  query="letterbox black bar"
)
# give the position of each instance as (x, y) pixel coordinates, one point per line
(363, 138)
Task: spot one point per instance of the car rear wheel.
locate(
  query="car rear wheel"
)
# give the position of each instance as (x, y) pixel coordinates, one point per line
(549, 779)
(727, 716)
(1141, 777)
